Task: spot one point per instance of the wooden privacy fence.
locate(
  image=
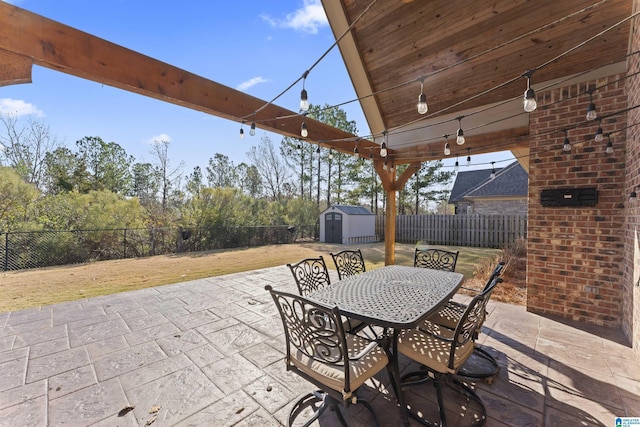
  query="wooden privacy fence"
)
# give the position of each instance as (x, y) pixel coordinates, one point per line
(490, 231)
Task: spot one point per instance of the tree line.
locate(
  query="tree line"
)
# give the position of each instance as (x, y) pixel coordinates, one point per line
(45, 185)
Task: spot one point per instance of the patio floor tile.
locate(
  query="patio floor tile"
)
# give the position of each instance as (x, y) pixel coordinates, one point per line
(210, 352)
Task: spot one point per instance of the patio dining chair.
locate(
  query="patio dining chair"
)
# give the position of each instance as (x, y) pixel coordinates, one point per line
(310, 275)
(449, 317)
(441, 353)
(450, 314)
(437, 259)
(319, 350)
(348, 263)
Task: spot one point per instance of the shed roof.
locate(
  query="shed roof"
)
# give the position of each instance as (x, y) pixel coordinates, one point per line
(350, 210)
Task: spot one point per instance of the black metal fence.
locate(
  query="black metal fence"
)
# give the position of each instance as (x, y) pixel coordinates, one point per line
(33, 249)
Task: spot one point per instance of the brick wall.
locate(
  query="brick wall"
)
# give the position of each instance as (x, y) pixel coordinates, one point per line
(500, 207)
(575, 254)
(631, 267)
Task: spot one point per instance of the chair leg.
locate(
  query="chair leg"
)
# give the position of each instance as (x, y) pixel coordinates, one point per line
(472, 395)
(443, 416)
(422, 376)
(489, 373)
(306, 401)
(327, 401)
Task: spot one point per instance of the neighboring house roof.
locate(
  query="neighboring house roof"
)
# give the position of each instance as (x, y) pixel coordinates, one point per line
(511, 181)
(350, 210)
(467, 181)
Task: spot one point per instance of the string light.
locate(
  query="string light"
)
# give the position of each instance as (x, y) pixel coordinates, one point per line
(530, 103)
(331, 154)
(447, 150)
(567, 145)
(383, 147)
(355, 149)
(241, 133)
(252, 131)
(304, 99)
(422, 100)
(468, 157)
(318, 150)
(609, 149)
(599, 135)
(384, 167)
(303, 130)
(591, 109)
(460, 134)
(493, 171)
(457, 165)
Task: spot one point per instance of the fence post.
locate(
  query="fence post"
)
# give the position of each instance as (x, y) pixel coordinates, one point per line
(6, 251)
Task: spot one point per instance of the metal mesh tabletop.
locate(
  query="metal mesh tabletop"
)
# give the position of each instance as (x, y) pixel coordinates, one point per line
(392, 296)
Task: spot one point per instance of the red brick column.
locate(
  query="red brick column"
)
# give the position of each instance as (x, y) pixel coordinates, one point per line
(575, 253)
(631, 268)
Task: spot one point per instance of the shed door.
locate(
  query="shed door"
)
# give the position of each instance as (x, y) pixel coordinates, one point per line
(333, 227)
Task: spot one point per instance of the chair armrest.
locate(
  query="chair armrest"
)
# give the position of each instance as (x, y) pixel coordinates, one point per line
(367, 349)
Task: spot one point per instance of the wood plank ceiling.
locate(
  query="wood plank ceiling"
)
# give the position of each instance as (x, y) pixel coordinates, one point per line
(465, 48)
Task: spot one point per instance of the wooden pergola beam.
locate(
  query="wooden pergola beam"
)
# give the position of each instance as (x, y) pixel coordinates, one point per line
(504, 140)
(14, 68)
(28, 38)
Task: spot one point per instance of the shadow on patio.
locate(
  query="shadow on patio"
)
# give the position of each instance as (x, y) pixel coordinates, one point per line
(209, 352)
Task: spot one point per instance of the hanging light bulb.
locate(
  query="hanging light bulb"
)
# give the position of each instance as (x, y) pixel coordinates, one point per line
(567, 145)
(331, 154)
(303, 130)
(384, 167)
(392, 168)
(241, 133)
(468, 158)
(422, 100)
(609, 149)
(318, 150)
(304, 103)
(383, 146)
(460, 134)
(530, 103)
(493, 171)
(355, 149)
(457, 165)
(591, 108)
(599, 135)
(447, 150)
(252, 131)
(304, 99)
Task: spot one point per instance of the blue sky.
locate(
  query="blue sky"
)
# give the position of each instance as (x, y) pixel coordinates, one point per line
(259, 47)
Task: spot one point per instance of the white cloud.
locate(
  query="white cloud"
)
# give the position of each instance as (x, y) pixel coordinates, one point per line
(159, 138)
(18, 108)
(251, 82)
(309, 18)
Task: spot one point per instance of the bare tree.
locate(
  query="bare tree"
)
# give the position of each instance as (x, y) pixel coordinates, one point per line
(167, 177)
(271, 168)
(24, 147)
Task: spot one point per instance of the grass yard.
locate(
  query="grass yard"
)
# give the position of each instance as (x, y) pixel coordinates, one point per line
(37, 287)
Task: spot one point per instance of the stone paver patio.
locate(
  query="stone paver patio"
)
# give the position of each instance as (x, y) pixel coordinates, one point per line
(210, 352)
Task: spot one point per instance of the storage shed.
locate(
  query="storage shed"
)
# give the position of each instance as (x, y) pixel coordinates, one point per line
(347, 225)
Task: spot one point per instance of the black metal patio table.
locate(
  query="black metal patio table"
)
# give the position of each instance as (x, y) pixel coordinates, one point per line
(395, 297)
